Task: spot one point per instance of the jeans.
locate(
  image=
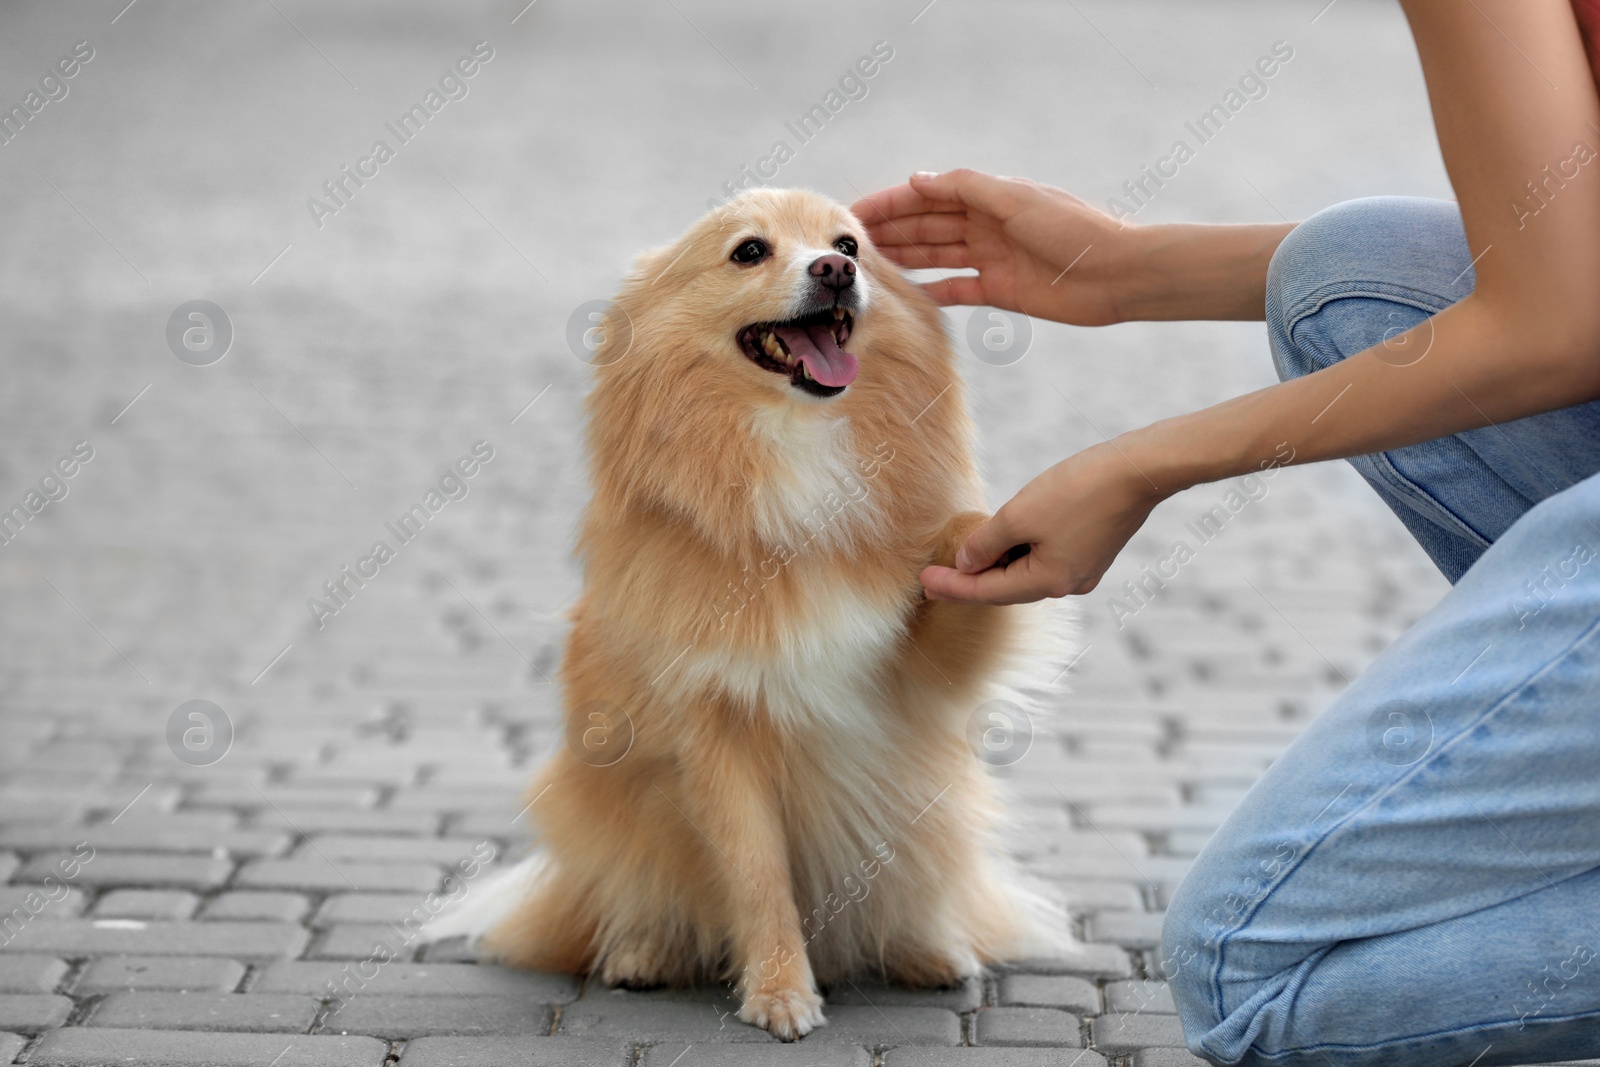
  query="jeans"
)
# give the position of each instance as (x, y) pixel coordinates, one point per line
(1416, 880)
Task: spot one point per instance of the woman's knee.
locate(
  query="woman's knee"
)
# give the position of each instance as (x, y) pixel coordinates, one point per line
(1189, 960)
(1359, 274)
(1217, 980)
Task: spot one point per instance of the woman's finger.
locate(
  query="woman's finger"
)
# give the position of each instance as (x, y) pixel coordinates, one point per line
(896, 202)
(1020, 583)
(989, 194)
(964, 290)
(930, 257)
(932, 229)
(985, 545)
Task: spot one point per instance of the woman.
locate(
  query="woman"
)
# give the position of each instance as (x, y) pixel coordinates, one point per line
(1417, 880)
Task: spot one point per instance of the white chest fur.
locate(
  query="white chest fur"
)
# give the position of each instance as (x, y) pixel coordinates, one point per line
(816, 492)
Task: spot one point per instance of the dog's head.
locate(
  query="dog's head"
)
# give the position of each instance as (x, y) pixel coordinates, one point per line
(758, 351)
(776, 282)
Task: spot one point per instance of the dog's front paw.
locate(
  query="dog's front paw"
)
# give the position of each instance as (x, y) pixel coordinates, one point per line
(954, 534)
(786, 1013)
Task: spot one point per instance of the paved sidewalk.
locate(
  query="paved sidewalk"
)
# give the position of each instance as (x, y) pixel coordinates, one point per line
(373, 345)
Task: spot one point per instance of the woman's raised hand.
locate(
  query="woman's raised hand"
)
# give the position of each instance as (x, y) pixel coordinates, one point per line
(1037, 249)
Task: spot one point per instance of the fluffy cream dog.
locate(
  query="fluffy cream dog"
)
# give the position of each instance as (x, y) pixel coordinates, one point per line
(768, 777)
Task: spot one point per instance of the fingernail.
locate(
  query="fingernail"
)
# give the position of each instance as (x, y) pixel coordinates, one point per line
(926, 175)
(963, 561)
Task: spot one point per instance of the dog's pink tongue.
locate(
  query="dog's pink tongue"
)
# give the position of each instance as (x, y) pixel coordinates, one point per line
(815, 347)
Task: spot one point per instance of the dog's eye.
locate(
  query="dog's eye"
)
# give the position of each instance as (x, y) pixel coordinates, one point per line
(751, 251)
(847, 246)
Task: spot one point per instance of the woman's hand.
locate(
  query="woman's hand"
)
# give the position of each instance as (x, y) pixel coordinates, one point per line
(1037, 249)
(1074, 519)
(1045, 253)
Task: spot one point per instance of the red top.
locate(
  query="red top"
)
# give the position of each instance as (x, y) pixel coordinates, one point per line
(1588, 12)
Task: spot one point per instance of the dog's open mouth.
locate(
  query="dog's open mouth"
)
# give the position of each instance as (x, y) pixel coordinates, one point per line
(808, 350)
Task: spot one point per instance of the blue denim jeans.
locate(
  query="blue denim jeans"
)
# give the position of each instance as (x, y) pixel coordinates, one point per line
(1416, 881)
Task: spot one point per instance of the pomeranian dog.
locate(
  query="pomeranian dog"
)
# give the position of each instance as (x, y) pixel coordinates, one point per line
(768, 777)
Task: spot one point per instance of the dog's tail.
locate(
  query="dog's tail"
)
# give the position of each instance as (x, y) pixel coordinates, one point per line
(487, 904)
(1046, 928)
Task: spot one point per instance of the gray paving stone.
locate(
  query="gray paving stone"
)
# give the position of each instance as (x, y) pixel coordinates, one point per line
(1140, 869)
(249, 1013)
(155, 869)
(351, 821)
(236, 793)
(1130, 929)
(389, 849)
(191, 974)
(450, 950)
(149, 836)
(358, 941)
(524, 1050)
(1140, 996)
(404, 1017)
(965, 997)
(324, 876)
(1187, 842)
(881, 1026)
(1088, 960)
(1084, 897)
(39, 901)
(617, 1014)
(1081, 846)
(1166, 1057)
(84, 796)
(108, 937)
(145, 904)
(10, 1045)
(256, 904)
(1124, 1033)
(990, 1057)
(30, 974)
(1067, 992)
(369, 908)
(496, 823)
(103, 1047)
(415, 980)
(1029, 1027)
(32, 1012)
(448, 798)
(804, 1053)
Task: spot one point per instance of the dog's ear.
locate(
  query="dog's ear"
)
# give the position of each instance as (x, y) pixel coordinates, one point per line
(649, 265)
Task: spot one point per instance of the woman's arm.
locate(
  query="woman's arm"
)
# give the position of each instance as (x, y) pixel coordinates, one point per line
(1511, 92)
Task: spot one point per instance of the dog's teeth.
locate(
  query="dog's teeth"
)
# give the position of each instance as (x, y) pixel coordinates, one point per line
(838, 313)
(805, 371)
(770, 344)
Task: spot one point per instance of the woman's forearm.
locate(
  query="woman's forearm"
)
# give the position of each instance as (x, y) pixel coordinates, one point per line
(1479, 365)
(1193, 271)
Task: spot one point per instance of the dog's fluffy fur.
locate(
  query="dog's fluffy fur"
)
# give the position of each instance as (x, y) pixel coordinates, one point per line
(789, 796)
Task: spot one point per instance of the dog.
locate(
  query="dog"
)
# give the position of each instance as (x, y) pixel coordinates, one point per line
(768, 777)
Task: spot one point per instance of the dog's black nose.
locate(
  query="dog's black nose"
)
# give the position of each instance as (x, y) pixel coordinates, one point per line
(836, 272)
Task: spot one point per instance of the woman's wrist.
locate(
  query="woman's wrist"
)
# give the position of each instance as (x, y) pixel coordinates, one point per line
(1187, 450)
(1193, 271)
